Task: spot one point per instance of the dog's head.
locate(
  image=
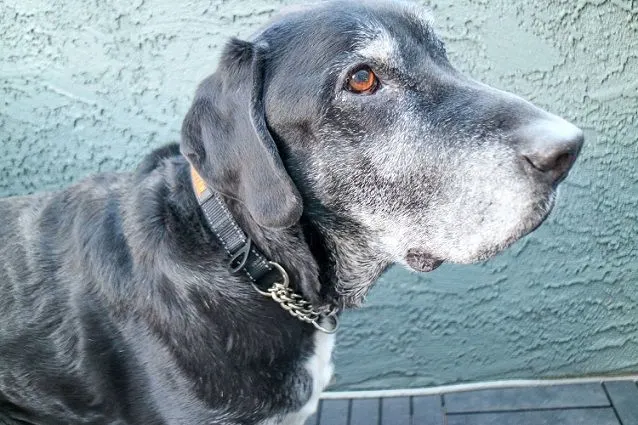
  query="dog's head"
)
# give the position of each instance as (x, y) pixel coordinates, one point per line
(354, 109)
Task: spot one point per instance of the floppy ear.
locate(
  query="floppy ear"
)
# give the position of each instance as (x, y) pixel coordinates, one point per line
(225, 137)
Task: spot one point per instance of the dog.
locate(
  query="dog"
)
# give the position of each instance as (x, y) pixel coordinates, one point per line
(205, 286)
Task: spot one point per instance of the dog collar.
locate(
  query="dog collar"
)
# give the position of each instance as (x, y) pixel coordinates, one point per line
(246, 258)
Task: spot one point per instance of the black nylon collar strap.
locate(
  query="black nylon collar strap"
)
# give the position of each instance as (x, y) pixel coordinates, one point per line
(244, 256)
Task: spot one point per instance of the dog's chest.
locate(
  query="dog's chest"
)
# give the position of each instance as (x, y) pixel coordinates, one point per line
(320, 368)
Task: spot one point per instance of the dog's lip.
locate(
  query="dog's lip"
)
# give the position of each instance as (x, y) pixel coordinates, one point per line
(422, 261)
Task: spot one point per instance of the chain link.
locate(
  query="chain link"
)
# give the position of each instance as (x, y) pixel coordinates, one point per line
(293, 303)
(297, 306)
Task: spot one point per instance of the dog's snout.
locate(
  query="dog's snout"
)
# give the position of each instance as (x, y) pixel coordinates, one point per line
(551, 147)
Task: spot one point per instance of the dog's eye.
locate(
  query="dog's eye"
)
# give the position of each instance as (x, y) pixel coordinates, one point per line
(362, 81)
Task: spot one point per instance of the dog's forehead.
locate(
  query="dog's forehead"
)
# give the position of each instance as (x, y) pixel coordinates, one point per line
(372, 29)
(386, 27)
(379, 45)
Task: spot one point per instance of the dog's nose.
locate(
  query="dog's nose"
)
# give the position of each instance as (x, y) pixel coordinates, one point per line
(550, 146)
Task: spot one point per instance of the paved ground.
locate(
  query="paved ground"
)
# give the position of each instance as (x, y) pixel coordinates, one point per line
(605, 403)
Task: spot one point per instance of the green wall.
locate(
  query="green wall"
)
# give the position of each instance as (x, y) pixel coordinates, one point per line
(89, 86)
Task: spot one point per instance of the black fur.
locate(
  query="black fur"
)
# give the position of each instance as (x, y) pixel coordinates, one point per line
(116, 303)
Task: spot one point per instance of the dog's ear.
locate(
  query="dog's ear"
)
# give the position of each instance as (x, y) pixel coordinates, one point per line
(225, 137)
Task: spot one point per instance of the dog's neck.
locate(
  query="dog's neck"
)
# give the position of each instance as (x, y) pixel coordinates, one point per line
(326, 255)
(349, 263)
(340, 264)
(298, 261)
(335, 266)
(268, 278)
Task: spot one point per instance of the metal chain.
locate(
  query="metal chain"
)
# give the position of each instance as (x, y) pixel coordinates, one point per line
(293, 303)
(297, 306)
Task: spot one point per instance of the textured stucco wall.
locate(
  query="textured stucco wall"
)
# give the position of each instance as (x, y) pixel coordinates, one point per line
(88, 86)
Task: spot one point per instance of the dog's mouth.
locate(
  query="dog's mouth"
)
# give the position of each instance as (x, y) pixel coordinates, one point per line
(421, 261)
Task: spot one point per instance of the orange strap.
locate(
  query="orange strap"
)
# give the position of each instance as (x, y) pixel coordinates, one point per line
(199, 185)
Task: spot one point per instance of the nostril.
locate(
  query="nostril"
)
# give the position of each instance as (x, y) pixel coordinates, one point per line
(545, 161)
(530, 162)
(554, 164)
(562, 165)
(564, 161)
(550, 147)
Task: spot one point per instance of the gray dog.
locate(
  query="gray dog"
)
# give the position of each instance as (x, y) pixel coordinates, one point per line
(204, 287)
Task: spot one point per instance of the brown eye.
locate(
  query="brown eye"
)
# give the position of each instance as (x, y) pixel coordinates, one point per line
(363, 81)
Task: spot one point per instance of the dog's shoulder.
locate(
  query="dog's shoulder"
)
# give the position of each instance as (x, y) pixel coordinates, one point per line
(65, 262)
(85, 220)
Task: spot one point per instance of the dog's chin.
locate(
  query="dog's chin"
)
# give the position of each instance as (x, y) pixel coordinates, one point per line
(422, 259)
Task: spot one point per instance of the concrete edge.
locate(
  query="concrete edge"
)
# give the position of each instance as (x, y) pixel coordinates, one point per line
(327, 395)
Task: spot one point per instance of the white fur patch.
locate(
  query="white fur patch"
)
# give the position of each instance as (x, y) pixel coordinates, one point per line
(382, 48)
(320, 368)
(422, 14)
